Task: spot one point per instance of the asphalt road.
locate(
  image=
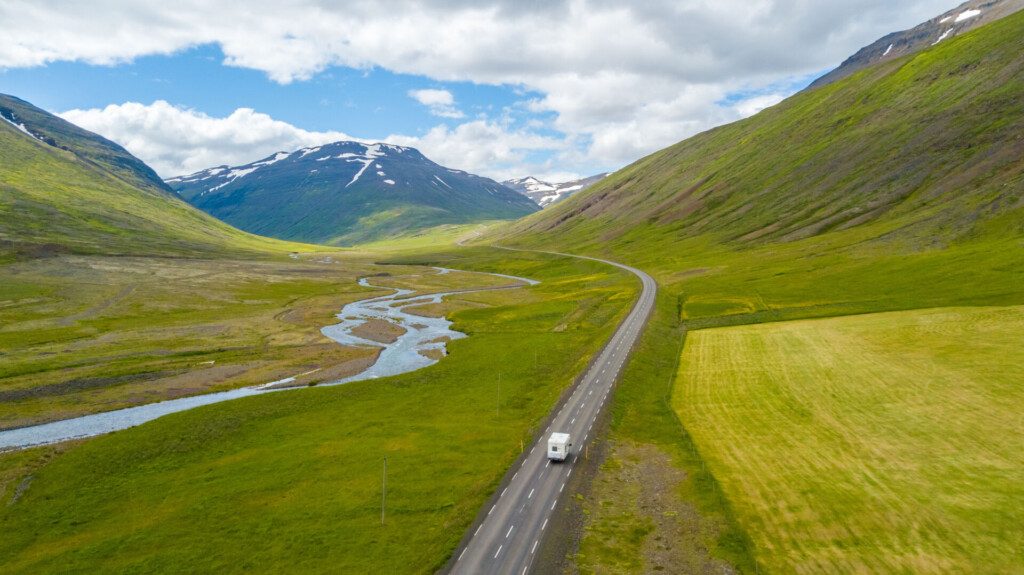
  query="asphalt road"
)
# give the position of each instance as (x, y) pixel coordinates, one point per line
(511, 532)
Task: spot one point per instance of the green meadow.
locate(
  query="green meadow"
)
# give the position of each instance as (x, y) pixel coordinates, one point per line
(291, 481)
(81, 334)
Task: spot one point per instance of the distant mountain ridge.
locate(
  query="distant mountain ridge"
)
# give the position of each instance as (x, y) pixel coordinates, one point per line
(959, 20)
(547, 193)
(347, 192)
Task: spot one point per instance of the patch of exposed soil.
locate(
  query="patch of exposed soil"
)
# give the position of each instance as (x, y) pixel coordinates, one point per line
(434, 354)
(637, 491)
(331, 373)
(379, 330)
(443, 309)
(80, 384)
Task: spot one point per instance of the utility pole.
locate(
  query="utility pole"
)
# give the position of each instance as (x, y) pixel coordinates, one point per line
(384, 489)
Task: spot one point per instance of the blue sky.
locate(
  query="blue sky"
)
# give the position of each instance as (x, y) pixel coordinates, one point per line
(368, 103)
(556, 89)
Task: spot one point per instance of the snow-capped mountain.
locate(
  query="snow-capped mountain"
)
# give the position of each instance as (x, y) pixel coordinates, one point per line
(546, 193)
(347, 192)
(959, 20)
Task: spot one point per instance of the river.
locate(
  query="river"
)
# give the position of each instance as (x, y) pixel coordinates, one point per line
(401, 356)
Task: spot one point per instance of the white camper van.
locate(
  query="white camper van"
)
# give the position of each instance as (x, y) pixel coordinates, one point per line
(559, 446)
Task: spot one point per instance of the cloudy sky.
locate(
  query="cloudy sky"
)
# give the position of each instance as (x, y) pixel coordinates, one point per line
(501, 88)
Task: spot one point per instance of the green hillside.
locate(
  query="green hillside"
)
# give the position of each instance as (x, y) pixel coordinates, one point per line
(910, 172)
(63, 189)
(91, 148)
(898, 188)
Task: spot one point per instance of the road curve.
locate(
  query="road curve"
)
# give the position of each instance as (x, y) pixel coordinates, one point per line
(509, 534)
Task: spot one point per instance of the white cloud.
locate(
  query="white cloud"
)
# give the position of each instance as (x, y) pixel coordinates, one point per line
(628, 77)
(751, 106)
(176, 141)
(440, 102)
(482, 147)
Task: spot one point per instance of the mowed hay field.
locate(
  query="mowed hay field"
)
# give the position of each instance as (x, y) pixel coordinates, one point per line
(889, 442)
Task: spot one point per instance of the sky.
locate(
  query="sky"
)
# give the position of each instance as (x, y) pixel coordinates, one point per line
(501, 88)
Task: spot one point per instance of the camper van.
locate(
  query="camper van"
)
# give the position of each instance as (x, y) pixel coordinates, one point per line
(559, 446)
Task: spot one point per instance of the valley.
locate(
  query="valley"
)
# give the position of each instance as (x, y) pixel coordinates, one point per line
(539, 334)
(235, 337)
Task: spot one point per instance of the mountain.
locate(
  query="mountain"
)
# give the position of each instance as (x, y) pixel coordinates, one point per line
(961, 19)
(64, 189)
(546, 193)
(347, 192)
(88, 147)
(903, 178)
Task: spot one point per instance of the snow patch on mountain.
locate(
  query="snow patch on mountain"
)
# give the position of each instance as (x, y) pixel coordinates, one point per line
(966, 14)
(274, 159)
(547, 193)
(21, 127)
(372, 151)
(943, 37)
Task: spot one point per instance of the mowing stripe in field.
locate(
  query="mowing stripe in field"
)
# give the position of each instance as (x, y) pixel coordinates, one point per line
(883, 442)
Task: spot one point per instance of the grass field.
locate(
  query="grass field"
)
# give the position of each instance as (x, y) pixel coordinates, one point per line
(290, 482)
(83, 334)
(887, 442)
(86, 334)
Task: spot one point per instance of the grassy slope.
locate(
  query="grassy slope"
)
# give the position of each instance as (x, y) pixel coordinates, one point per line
(53, 201)
(867, 443)
(913, 165)
(899, 188)
(290, 481)
(88, 147)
